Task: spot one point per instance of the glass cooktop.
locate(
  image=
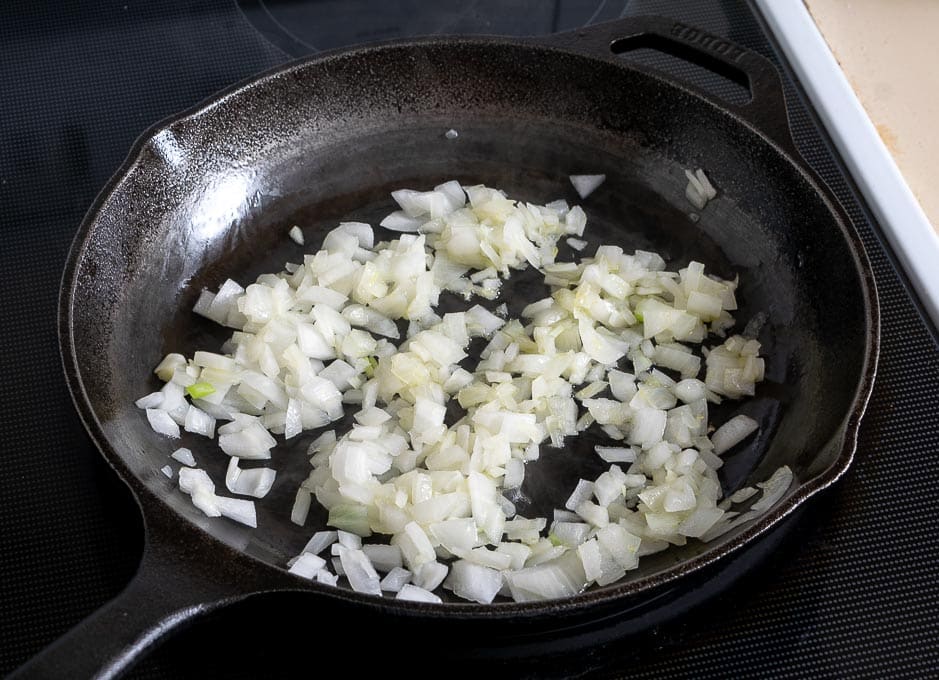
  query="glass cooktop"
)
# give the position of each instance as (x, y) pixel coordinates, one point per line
(303, 28)
(848, 589)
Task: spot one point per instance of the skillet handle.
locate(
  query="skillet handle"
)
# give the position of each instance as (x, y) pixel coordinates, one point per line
(766, 111)
(172, 587)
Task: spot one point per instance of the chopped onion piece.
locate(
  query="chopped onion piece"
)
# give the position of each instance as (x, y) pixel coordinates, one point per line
(255, 482)
(395, 579)
(238, 509)
(695, 192)
(415, 594)
(207, 502)
(184, 456)
(481, 321)
(774, 488)
(583, 492)
(192, 479)
(383, 557)
(474, 582)
(514, 474)
(359, 570)
(307, 565)
(561, 577)
(430, 575)
(162, 423)
(349, 540)
(743, 494)
(569, 533)
(199, 422)
(320, 541)
(586, 184)
(616, 454)
(170, 363)
(152, 400)
(707, 189)
(301, 507)
(325, 577)
(733, 432)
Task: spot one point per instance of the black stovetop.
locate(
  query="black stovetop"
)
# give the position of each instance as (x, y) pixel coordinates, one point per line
(849, 589)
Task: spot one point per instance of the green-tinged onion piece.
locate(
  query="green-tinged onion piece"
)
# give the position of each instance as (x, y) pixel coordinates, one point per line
(200, 390)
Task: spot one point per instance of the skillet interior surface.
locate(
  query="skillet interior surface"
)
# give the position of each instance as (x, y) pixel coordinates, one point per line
(212, 195)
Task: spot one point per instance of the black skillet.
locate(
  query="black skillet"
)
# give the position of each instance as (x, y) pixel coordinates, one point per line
(211, 193)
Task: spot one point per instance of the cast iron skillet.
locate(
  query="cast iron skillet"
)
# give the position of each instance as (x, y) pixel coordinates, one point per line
(212, 192)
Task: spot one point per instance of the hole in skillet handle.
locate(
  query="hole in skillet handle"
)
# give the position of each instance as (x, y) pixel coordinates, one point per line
(718, 78)
(751, 86)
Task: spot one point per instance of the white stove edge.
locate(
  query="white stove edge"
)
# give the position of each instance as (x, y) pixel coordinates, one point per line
(906, 226)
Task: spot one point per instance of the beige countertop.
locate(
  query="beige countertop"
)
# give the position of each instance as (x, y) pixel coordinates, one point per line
(890, 55)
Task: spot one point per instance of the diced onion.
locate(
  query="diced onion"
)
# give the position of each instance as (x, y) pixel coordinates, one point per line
(616, 454)
(307, 565)
(395, 580)
(733, 432)
(301, 507)
(415, 594)
(184, 456)
(162, 423)
(586, 184)
(474, 582)
(436, 455)
(320, 541)
(359, 571)
(152, 400)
